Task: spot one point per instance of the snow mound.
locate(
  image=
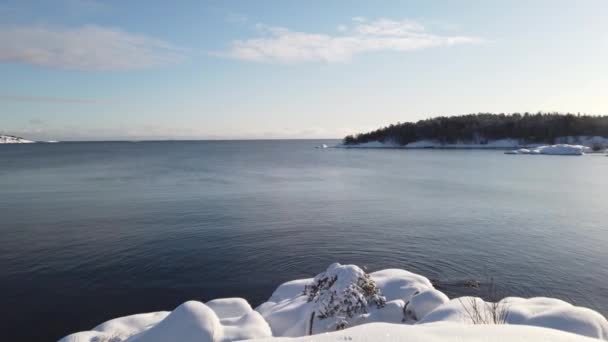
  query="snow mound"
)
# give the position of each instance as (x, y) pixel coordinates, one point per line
(439, 332)
(189, 322)
(425, 302)
(289, 309)
(540, 311)
(560, 149)
(118, 329)
(346, 298)
(221, 320)
(229, 307)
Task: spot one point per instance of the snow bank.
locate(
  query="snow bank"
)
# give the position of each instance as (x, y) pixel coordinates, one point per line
(441, 332)
(189, 322)
(219, 320)
(118, 329)
(9, 139)
(594, 142)
(561, 149)
(540, 311)
(288, 311)
(346, 297)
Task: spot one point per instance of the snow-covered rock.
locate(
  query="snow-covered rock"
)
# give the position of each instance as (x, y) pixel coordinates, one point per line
(345, 296)
(221, 320)
(540, 312)
(229, 307)
(560, 149)
(289, 310)
(425, 302)
(596, 143)
(9, 139)
(189, 322)
(118, 329)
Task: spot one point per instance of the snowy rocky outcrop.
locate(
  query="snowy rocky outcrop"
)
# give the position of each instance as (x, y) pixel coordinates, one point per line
(9, 139)
(561, 149)
(542, 312)
(595, 143)
(360, 305)
(290, 309)
(219, 320)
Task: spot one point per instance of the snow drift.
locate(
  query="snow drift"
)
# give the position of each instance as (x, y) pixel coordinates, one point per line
(219, 320)
(346, 298)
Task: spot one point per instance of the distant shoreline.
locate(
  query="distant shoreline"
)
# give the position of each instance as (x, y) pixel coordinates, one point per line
(487, 130)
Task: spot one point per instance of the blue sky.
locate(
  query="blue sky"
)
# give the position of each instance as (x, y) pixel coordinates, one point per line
(85, 69)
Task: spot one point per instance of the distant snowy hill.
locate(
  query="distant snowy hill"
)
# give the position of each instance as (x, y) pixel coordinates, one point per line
(9, 139)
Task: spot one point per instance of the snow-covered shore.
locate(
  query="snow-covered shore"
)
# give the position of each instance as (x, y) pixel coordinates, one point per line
(561, 149)
(574, 145)
(388, 305)
(9, 139)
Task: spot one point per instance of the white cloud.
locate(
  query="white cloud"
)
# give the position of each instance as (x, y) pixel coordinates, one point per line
(282, 45)
(85, 48)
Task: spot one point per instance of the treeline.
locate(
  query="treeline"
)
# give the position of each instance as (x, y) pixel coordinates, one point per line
(539, 127)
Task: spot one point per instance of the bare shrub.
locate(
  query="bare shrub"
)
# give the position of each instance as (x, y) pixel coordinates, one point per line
(481, 312)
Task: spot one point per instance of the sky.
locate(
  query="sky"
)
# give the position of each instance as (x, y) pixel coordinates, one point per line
(107, 70)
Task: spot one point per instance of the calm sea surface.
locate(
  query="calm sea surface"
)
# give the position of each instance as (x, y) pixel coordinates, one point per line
(92, 231)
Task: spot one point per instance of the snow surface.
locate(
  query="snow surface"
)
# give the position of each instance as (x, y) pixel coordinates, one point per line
(219, 320)
(9, 139)
(540, 311)
(439, 332)
(417, 311)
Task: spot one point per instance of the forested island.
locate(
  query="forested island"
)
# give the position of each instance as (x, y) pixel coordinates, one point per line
(483, 128)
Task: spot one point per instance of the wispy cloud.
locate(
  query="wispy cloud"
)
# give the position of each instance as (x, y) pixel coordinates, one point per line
(46, 99)
(278, 44)
(85, 48)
